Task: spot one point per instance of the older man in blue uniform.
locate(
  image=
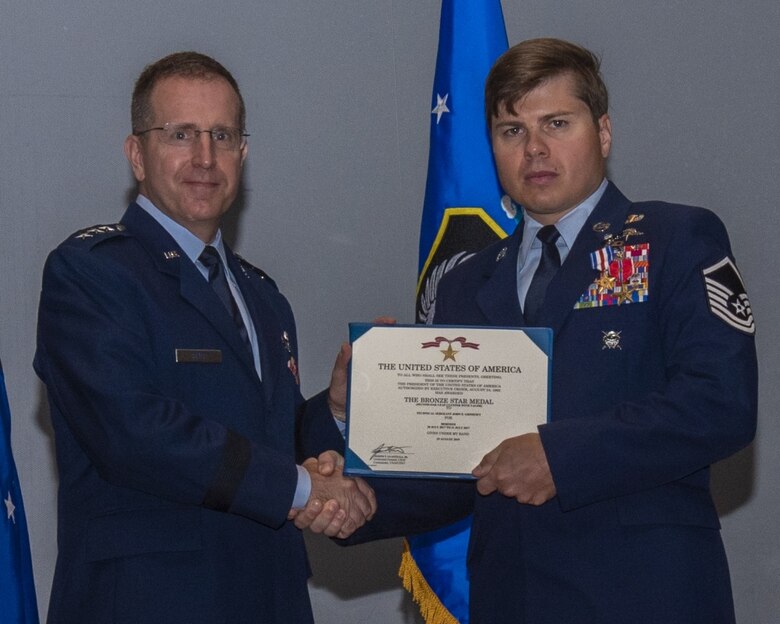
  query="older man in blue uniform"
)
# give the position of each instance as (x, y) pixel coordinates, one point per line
(171, 367)
(603, 516)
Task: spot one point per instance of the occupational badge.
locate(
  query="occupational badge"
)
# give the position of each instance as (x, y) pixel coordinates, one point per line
(611, 340)
(727, 297)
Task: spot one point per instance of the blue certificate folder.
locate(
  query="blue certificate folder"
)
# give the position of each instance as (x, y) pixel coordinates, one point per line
(452, 349)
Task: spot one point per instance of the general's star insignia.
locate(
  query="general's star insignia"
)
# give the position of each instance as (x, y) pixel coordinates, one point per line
(441, 107)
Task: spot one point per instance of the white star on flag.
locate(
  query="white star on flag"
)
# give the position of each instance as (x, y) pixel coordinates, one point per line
(441, 107)
(10, 508)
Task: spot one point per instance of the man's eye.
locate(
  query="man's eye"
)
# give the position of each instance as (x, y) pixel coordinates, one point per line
(221, 135)
(514, 131)
(558, 123)
(180, 135)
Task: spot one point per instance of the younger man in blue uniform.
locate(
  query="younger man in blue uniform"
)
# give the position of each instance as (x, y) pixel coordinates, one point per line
(603, 516)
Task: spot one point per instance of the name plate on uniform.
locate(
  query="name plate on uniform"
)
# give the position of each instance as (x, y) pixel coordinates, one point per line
(431, 401)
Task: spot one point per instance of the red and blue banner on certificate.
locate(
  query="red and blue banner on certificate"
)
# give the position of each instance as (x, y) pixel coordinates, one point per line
(464, 211)
(17, 592)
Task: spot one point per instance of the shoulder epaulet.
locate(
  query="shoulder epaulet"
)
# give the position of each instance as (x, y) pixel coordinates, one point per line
(246, 267)
(98, 233)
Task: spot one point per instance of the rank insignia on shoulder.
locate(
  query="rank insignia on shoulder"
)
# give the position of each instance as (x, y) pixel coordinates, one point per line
(99, 229)
(727, 297)
(246, 267)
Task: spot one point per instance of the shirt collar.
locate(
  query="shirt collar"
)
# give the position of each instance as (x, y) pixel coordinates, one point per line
(568, 226)
(190, 244)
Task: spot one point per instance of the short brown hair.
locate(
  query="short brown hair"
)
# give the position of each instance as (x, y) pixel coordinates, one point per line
(527, 65)
(184, 64)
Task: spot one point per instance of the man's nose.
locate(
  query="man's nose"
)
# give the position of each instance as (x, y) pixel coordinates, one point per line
(203, 150)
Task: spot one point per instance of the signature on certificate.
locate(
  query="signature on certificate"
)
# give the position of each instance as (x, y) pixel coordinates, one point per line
(388, 449)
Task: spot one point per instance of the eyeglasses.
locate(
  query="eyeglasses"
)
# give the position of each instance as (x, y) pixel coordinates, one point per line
(185, 135)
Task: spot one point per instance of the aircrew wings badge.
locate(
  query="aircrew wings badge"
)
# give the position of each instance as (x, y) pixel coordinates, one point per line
(727, 297)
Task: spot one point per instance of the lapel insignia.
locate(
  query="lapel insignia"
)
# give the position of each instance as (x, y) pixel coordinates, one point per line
(601, 226)
(634, 218)
(292, 365)
(501, 254)
(170, 255)
(611, 340)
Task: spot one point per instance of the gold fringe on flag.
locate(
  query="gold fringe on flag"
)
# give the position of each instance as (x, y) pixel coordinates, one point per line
(431, 608)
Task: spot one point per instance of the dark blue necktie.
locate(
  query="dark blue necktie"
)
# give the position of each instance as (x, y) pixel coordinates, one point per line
(549, 263)
(211, 260)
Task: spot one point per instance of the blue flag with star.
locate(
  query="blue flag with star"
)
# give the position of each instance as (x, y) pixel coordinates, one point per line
(17, 591)
(463, 212)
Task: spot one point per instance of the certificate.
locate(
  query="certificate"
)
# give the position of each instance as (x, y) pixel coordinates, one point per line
(431, 401)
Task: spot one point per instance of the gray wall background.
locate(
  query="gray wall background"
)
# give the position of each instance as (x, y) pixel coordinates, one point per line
(338, 98)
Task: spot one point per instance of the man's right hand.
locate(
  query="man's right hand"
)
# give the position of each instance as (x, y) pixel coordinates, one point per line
(338, 505)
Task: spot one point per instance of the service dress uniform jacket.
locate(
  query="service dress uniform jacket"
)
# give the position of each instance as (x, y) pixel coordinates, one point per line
(651, 383)
(176, 463)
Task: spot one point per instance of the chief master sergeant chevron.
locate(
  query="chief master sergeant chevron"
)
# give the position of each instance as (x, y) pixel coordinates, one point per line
(604, 516)
(171, 368)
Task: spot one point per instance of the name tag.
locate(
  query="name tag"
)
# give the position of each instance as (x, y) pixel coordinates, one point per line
(198, 356)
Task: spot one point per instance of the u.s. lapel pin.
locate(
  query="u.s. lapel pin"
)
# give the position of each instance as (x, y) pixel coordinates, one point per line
(501, 254)
(171, 255)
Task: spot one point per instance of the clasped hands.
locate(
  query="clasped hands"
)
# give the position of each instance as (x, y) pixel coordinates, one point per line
(338, 505)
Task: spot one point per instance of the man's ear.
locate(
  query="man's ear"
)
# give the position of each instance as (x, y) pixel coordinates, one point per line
(605, 134)
(134, 154)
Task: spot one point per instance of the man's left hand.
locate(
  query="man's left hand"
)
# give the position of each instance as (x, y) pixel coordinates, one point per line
(337, 392)
(517, 468)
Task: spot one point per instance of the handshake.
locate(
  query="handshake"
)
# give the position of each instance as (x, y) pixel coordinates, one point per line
(337, 505)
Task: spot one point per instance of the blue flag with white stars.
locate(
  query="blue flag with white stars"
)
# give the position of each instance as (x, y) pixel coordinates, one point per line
(17, 591)
(464, 211)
